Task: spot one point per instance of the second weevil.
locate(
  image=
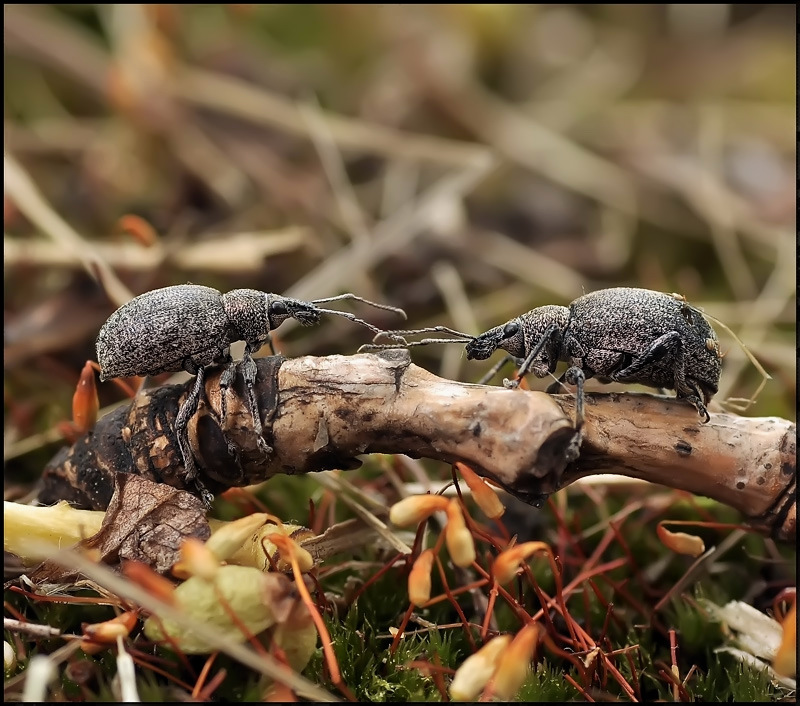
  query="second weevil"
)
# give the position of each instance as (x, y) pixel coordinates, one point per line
(189, 327)
(621, 334)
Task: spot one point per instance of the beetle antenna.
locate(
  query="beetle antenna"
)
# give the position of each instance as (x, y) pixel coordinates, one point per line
(349, 295)
(400, 342)
(463, 337)
(406, 344)
(354, 319)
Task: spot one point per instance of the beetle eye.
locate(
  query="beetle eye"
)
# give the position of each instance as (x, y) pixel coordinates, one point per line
(511, 329)
(279, 308)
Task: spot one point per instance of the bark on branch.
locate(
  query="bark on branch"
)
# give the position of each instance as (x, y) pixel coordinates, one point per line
(320, 413)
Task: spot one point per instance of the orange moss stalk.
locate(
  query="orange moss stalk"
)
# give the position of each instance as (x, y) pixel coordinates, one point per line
(85, 403)
(282, 541)
(507, 563)
(419, 580)
(100, 635)
(514, 663)
(485, 497)
(155, 584)
(413, 510)
(680, 542)
(139, 229)
(458, 538)
(476, 670)
(290, 551)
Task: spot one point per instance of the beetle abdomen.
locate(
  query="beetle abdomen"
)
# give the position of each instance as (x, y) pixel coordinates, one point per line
(628, 320)
(158, 331)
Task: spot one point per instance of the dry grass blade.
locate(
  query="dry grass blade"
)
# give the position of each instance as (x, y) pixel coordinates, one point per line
(20, 187)
(529, 266)
(234, 252)
(721, 224)
(392, 235)
(454, 293)
(515, 135)
(336, 171)
(15, 449)
(702, 565)
(765, 376)
(49, 39)
(238, 98)
(777, 293)
(337, 485)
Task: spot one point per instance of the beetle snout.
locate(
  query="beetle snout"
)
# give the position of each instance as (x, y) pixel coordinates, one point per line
(306, 317)
(480, 349)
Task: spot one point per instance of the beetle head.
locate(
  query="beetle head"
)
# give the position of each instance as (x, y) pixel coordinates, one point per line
(282, 308)
(509, 337)
(542, 327)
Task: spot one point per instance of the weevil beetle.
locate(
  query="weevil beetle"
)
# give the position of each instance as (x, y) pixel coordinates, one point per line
(189, 327)
(622, 334)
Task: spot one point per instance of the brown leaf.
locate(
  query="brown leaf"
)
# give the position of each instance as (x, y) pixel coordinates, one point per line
(145, 521)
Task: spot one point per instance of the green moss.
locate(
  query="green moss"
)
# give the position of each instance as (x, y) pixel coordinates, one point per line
(371, 670)
(546, 683)
(729, 680)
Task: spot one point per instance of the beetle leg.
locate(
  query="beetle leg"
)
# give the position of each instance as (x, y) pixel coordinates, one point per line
(555, 387)
(697, 400)
(249, 372)
(496, 369)
(523, 369)
(668, 346)
(185, 413)
(225, 383)
(575, 376)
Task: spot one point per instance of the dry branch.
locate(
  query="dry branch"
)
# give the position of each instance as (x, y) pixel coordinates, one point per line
(749, 463)
(320, 413)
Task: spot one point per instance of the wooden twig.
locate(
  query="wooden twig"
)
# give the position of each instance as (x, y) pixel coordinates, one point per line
(321, 413)
(749, 463)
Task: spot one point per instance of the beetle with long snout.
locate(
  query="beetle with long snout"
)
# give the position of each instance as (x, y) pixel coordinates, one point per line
(622, 334)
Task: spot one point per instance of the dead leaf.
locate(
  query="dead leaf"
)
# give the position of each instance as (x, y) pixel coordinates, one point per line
(145, 522)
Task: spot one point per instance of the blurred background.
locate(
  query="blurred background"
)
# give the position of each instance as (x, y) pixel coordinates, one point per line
(464, 162)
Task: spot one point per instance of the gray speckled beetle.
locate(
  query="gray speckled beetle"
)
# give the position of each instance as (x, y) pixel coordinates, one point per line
(622, 334)
(188, 327)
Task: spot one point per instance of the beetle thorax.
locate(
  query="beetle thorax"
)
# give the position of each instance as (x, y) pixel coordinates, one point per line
(246, 310)
(536, 324)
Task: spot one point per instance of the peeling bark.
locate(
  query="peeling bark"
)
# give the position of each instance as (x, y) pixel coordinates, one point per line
(321, 413)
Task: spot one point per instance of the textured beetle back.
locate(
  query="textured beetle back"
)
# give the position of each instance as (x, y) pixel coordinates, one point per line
(246, 310)
(158, 331)
(537, 320)
(628, 320)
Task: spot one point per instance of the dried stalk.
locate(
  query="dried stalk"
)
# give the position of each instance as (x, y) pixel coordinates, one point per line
(320, 413)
